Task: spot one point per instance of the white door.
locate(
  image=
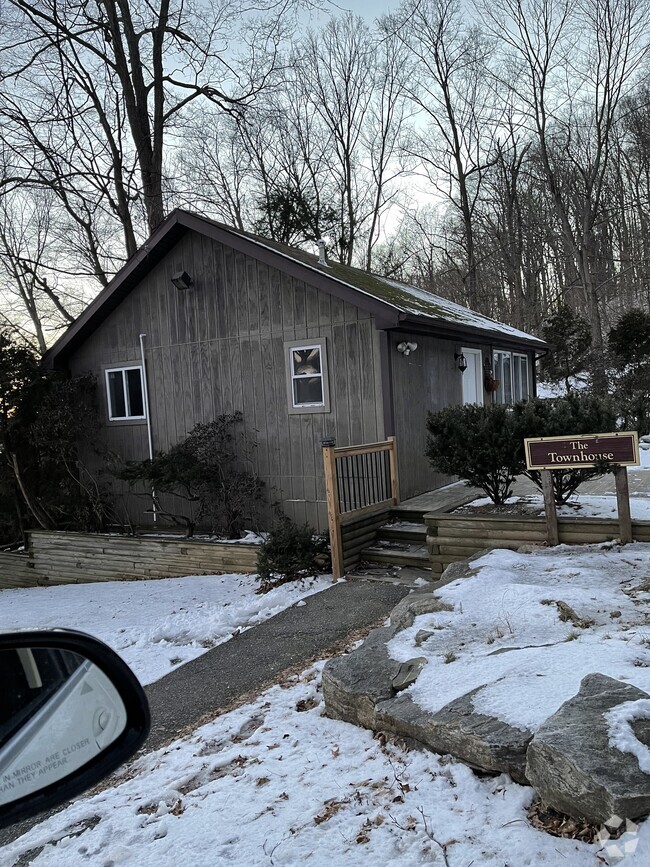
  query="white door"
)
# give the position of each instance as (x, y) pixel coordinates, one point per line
(473, 376)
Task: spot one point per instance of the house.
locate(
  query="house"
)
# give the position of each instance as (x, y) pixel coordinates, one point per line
(222, 320)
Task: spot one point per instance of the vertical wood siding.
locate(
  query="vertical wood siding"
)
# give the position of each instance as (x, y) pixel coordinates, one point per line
(219, 347)
(426, 380)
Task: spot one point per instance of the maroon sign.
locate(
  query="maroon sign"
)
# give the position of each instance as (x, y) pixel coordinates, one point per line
(569, 453)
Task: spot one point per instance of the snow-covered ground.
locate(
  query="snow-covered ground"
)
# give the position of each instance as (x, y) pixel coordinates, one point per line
(276, 783)
(588, 505)
(506, 630)
(579, 506)
(155, 625)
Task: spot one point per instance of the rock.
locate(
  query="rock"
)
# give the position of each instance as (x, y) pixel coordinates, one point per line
(355, 682)
(530, 548)
(462, 568)
(411, 606)
(459, 569)
(408, 673)
(422, 635)
(572, 765)
(480, 741)
(567, 613)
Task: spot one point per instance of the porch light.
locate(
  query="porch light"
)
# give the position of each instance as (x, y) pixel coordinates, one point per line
(182, 280)
(462, 361)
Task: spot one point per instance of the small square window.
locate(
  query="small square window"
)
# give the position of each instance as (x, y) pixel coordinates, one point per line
(125, 393)
(307, 377)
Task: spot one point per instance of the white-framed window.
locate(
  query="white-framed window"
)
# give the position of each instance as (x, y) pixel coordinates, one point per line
(511, 369)
(307, 376)
(125, 393)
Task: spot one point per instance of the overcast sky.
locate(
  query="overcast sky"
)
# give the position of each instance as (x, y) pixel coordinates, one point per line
(368, 9)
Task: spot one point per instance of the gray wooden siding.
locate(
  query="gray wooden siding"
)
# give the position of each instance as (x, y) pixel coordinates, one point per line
(426, 380)
(219, 346)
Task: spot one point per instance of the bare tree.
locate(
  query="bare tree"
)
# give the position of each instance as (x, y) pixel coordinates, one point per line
(317, 156)
(94, 98)
(571, 66)
(155, 59)
(452, 138)
(337, 70)
(382, 136)
(28, 287)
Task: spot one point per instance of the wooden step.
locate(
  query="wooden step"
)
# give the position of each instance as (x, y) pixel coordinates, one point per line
(409, 515)
(404, 531)
(402, 554)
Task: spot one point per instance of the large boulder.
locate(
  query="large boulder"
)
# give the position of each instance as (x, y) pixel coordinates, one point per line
(480, 741)
(355, 682)
(572, 765)
(415, 604)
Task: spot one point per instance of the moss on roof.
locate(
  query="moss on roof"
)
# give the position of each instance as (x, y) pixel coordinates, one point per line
(405, 298)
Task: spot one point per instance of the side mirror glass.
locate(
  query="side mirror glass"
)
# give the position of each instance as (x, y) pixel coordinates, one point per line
(71, 711)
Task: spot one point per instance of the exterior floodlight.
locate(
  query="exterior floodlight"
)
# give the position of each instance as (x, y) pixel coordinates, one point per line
(406, 348)
(182, 280)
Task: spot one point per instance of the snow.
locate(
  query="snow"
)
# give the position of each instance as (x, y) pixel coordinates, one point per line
(644, 454)
(505, 634)
(276, 783)
(159, 624)
(249, 538)
(622, 734)
(443, 308)
(579, 505)
(558, 389)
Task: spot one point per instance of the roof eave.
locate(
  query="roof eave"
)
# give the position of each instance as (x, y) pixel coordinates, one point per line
(434, 326)
(177, 223)
(111, 295)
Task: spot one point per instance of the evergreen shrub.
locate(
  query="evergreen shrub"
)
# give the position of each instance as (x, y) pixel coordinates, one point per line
(208, 472)
(629, 346)
(578, 413)
(479, 444)
(289, 552)
(484, 445)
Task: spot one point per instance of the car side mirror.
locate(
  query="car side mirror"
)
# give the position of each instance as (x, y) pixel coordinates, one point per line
(71, 712)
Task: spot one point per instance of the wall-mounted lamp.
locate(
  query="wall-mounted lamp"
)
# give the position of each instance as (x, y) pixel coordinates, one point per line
(462, 361)
(182, 280)
(406, 348)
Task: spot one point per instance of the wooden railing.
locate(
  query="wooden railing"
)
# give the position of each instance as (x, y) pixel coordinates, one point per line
(359, 480)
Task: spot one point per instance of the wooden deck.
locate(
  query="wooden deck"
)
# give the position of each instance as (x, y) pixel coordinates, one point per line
(441, 500)
(457, 494)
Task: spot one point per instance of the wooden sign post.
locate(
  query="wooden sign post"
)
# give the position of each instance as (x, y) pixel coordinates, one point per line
(550, 509)
(546, 454)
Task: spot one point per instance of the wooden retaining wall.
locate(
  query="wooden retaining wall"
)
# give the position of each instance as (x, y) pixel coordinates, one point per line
(78, 558)
(17, 570)
(359, 534)
(456, 537)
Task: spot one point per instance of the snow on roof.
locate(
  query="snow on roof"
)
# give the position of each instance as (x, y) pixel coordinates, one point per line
(419, 301)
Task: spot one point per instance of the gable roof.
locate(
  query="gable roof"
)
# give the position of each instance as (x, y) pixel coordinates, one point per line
(394, 304)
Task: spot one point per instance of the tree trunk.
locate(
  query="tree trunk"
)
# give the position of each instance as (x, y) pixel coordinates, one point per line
(39, 513)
